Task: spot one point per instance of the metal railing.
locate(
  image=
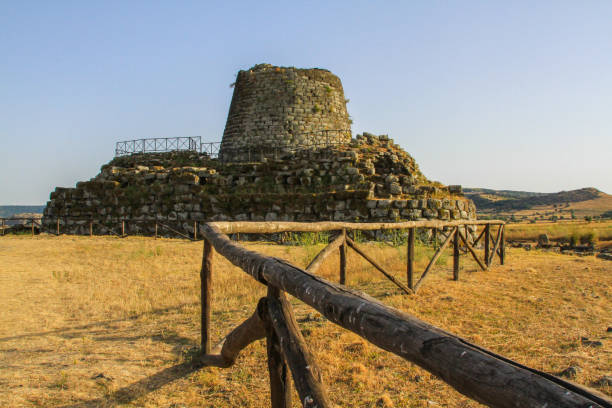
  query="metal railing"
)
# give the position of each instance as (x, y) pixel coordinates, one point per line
(304, 141)
(166, 144)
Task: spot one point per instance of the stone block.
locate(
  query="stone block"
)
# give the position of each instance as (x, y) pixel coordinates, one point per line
(379, 212)
(383, 204)
(455, 189)
(394, 214)
(352, 171)
(271, 216)
(400, 203)
(434, 204)
(395, 188)
(430, 213)
(443, 214)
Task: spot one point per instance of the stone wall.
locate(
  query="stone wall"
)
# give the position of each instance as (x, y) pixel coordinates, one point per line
(370, 179)
(283, 108)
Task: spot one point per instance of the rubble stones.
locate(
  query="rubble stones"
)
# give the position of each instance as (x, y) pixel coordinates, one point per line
(307, 186)
(570, 372)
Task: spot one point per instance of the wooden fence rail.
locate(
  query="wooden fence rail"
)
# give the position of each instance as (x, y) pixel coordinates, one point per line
(121, 224)
(342, 241)
(33, 222)
(472, 370)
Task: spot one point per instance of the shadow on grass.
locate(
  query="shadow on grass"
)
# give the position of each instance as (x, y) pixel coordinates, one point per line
(67, 330)
(141, 387)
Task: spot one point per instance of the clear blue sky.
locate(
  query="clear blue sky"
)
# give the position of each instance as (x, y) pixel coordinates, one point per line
(506, 95)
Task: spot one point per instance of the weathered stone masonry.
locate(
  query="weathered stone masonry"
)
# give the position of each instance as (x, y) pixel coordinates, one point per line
(371, 179)
(276, 107)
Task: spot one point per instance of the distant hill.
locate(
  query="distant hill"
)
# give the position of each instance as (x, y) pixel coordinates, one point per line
(571, 204)
(521, 200)
(10, 210)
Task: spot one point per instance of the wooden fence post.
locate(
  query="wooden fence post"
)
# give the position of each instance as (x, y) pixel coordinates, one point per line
(206, 295)
(122, 228)
(433, 260)
(32, 221)
(343, 250)
(410, 258)
(280, 386)
(304, 369)
(434, 237)
(456, 255)
(91, 228)
(58, 229)
(155, 229)
(502, 245)
(377, 266)
(487, 244)
(195, 230)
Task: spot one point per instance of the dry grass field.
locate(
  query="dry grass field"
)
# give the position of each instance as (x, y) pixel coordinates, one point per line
(580, 209)
(560, 230)
(102, 321)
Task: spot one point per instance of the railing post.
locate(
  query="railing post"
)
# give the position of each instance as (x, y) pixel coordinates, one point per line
(502, 245)
(410, 258)
(91, 228)
(487, 244)
(155, 229)
(32, 222)
(206, 295)
(280, 386)
(122, 228)
(456, 255)
(58, 228)
(195, 230)
(343, 251)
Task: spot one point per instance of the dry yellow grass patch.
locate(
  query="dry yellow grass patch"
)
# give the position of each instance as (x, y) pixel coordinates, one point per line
(113, 322)
(602, 230)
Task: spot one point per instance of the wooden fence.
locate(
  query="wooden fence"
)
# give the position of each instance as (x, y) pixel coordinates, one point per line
(34, 223)
(343, 241)
(120, 228)
(472, 370)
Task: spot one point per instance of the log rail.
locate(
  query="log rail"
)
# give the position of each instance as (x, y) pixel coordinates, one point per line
(472, 370)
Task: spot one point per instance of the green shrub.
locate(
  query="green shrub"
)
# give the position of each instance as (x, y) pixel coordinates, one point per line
(589, 238)
(574, 238)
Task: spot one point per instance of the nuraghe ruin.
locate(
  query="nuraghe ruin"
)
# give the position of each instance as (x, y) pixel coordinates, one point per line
(287, 154)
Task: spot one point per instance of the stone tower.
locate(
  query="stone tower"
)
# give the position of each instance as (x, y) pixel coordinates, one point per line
(278, 109)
